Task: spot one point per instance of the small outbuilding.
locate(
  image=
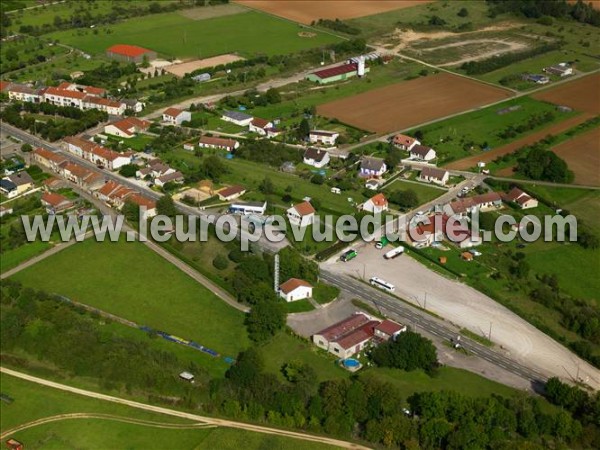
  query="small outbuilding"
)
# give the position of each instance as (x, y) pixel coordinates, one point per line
(295, 289)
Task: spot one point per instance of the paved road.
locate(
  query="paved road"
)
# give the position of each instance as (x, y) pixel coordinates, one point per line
(184, 415)
(272, 247)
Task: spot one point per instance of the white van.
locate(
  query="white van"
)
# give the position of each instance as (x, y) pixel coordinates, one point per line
(394, 253)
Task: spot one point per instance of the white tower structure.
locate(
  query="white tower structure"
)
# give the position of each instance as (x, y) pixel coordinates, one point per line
(361, 66)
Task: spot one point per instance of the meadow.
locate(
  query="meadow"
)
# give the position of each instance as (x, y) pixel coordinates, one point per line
(153, 293)
(174, 35)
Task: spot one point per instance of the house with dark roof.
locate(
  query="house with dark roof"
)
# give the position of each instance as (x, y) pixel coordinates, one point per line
(323, 137)
(434, 175)
(8, 188)
(422, 153)
(316, 157)
(372, 167)
(295, 289)
(237, 117)
(174, 116)
(302, 214)
(22, 180)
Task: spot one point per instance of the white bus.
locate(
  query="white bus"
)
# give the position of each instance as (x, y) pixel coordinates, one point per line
(381, 284)
(394, 253)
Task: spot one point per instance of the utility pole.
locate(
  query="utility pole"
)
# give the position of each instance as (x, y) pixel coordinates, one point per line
(425, 304)
(490, 334)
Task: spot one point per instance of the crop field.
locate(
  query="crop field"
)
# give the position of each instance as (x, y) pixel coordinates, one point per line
(154, 292)
(306, 11)
(174, 35)
(410, 103)
(582, 155)
(578, 94)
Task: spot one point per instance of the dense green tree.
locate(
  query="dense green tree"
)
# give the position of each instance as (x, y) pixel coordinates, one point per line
(265, 319)
(165, 206)
(409, 351)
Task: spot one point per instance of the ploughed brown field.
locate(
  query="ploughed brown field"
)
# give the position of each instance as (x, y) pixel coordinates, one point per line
(411, 103)
(580, 94)
(487, 157)
(582, 155)
(304, 11)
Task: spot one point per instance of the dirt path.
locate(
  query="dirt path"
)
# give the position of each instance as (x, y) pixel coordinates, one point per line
(471, 161)
(509, 46)
(61, 417)
(184, 415)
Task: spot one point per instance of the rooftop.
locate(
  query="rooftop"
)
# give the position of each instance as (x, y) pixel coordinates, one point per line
(128, 50)
(304, 209)
(337, 70)
(292, 284)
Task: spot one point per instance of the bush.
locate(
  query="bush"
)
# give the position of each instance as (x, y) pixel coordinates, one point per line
(220, 262)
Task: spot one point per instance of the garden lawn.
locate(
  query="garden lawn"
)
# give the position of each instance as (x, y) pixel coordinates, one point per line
(425, 193)
(298, 306)
(129, 280)
(173, 35)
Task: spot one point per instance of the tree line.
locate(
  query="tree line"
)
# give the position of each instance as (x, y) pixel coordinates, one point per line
(579, 11)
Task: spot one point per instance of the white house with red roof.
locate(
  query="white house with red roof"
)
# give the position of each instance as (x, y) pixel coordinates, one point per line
(260, 126)
(404, 142)
(376, 204)
(174, 116)
(347, 337)
(54, 202)
(295, 289)
(521, 198)
(302, 214)
(48, 159)
(323, 137)
(127, 128)
(218, 142)
(231, 193)
(83, 97)
(388, 329)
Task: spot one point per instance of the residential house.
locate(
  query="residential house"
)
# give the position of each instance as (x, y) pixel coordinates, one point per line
(22, 181)
(237, 117)
(133, 105)
(521, 198)
(79, 147)
(159, 168)
(465, 206)
(127, 128)
(25, 93)
(434, 175)
(5, 210)
(422, 153)
(295, 289)
(48, 159)
(111, 160)
(404, 142)
(260, 126)
(376, 204)
(302, 214)
(323, 137)
(107, 190)
(83, 177)
(231, 193)
(174, 177)
(316, 157)
(174, 116)
(145, 202)
(347, 337)
(55, 203)
(217, 142)
(372, 167)
(120, 196)
(83, 97)
(373, 184)
(561, 69)
(388, 329)
(426, 232)
(8, 188)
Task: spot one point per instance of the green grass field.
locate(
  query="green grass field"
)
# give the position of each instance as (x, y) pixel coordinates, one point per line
(425, 193)
(34, 402)
(172, 34)
(450, 137)
(14, 257)
(129, 280)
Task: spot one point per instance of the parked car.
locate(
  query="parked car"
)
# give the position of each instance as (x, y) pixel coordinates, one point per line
(474, 252)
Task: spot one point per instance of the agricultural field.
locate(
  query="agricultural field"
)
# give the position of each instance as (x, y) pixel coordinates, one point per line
(403, 105)
(306, 11)
(26, 52)
(164, 298)
(476, 133)
(175, 35)
(139, 429)
(575, 94)
(582, 155)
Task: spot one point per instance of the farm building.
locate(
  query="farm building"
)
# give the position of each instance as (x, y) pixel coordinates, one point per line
(130, 53)
(217, 142)
(347, 337)
(524, 200)
(404, 142)
(127, 128)
(376, 204)
(174, 116)
(433, 175)
(337, 73)
(422, 153)
(295, 289)
(246, 208)
(561, 69)
(372, 167)
(231, 193)
(239, 118)
(201, 77)
(302, 214)
(316, 157)
(323, 137)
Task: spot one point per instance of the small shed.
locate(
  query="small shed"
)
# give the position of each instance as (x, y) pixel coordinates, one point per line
(467, 256)
(13, 444)
(187, 376)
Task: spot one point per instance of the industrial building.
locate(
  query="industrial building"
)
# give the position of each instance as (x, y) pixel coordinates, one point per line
(130, 53)
(339, 73)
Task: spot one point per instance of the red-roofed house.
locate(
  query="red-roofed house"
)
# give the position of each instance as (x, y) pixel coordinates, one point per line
(404, 142)
(302, 214)
(55, 202)
(231, 193)
(260, 126)
(130, 53)
(127, 128)
(376, 204)
(295, 289)
(47, 158)
(521, 198)
(174, 116)
(109, 159)
(146, 202)
(388, 329)
(464, 206)
(347, 337)
(217, 142)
